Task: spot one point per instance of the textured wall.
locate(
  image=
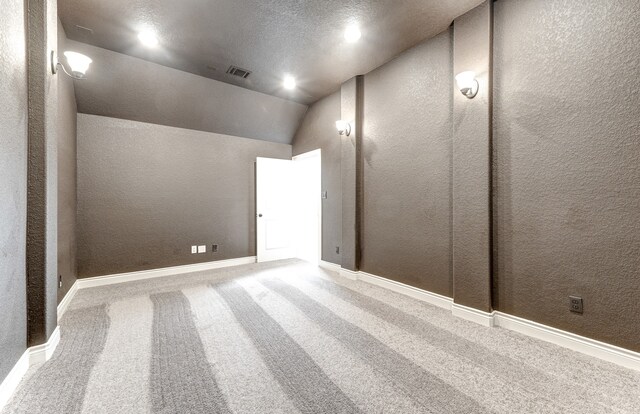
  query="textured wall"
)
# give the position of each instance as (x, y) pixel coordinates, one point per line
(349, 102)
(407, 168)
(146, 193)
(121, 86)
(318, 131)
(567, 157)
(472, 162)
(67, 199)
(13, 184)
(42, 182)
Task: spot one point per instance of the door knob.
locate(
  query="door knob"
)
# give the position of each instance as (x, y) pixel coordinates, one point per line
(259, 215)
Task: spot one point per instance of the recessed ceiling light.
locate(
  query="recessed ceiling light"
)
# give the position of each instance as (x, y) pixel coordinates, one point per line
(352, 33)
(289, 82)
(148, 38)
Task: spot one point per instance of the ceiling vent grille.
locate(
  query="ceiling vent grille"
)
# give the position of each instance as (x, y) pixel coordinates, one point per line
(236, 71)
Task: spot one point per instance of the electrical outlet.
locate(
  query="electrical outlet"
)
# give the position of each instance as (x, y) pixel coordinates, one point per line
(59, 281)
(214, 248)
(575, 304)
(194, 249)
(324, 194)
(202, 249)
(337, 249)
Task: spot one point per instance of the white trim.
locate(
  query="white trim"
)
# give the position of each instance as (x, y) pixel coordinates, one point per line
(299, 157)
(588, 346)
(64, 303)
(10, 383)
(607, 352)
(31, 356)
(414, 292)
(309, 154)
(473, 315)
(165, 271)
(329, 266)
(349, 274)
(42, 353)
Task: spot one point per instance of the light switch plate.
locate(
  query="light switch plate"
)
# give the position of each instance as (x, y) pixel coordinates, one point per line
(202, 249)
(194, 249)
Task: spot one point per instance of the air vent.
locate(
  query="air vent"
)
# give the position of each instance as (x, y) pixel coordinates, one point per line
(236, 71)
(84, 30)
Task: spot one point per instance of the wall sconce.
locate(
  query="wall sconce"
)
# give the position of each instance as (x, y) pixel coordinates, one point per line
(78, 63)
(467, 83)
(343, 127)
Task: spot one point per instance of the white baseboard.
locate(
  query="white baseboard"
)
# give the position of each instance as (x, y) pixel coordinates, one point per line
(414, 292)
(165, 271)
(42, 353)
(588, 346)
(64, 303)
(31, 356)
(12, 380)
(601, 350)
(473, 315)
(329, 266)
(349, 274)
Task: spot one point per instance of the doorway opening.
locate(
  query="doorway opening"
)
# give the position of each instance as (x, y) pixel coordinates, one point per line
(289, 208)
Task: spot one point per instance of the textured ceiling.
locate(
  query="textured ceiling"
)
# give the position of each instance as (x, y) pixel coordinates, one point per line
(121, 86)
(268, 37)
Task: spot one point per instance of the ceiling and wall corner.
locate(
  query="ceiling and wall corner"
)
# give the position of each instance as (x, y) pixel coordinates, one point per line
(303, 38)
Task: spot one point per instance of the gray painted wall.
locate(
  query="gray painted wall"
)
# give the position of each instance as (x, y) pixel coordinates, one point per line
(146, 193)
(472, 162)
(407, 168)
(318, 131)
(13, 184)
(567, 159)
(42, 182)
(67, 198)
(121, 86)
(351, 146)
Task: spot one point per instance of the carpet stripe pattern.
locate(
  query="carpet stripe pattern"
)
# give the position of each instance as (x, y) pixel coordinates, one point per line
(287, 337)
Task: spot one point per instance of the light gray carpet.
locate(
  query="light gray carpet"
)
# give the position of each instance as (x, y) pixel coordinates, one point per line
(287, 337)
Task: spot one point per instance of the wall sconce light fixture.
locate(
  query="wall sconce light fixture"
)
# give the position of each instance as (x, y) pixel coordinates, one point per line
(78, 63)
(343, 127)
(467, 83)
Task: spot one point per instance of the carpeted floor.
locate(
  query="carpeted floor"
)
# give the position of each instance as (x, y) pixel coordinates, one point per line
(287, 337)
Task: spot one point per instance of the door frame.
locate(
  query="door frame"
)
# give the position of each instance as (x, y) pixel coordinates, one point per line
(311, 154)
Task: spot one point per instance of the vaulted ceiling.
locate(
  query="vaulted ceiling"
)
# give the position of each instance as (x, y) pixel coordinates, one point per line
(270, 38)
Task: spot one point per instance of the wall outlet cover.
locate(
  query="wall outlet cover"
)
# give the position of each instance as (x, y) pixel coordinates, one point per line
(214, 248)
(575, 304)
(202, 249)
(194, 249)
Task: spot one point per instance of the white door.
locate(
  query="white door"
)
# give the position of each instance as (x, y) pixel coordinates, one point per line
(275, 209)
